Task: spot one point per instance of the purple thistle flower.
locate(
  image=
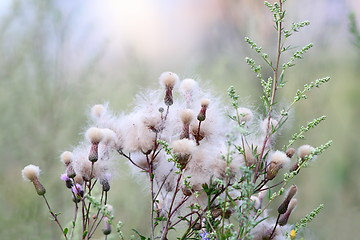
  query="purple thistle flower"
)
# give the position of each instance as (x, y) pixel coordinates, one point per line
(64, 177)
(77, 190)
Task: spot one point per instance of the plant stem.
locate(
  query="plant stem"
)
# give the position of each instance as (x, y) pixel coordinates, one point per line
(55, 217)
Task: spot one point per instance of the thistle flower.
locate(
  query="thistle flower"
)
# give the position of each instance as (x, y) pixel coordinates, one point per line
(278, 160)
(66, 157)
(94, 135)
(186, 117)
(98, 110)
(290, 152)
(168, 79)
(67, 180)
(77, 189)
(244, 114)
(188, 88)
(265, 124)
(31, 173)
(304, 151)
(204, 105)
(183, 149)
(109, 136)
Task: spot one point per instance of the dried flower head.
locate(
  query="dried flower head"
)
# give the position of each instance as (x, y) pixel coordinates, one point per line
(66, 157)
(278, 160)
(304, 151)
(290, 152)
(185, 146)
(98, 110)
(186, 116)
(183, 149)
(244, 114)
(94, 135)
(30, 172)
(168, 79)
(109, 136)
(205, 103)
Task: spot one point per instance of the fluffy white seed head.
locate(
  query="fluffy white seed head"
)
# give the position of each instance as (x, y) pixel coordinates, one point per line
(98, 110)
(169, 79)
(109, 136)
(67, 157)
(30, 172)
(265, 124)
(186, 116)
(205, 102)
(94, 135)
(280, 158)
(245, 114)
(304, 151)
(183, 146)
(188, 85)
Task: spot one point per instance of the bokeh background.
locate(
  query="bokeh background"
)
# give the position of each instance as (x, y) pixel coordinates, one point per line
(57, 58)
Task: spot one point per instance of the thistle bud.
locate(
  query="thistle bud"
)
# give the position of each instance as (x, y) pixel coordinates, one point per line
(285, 217)
(197, 226)
(285, 204)
(290, 152)
(105, 185)
(70, 171)
(39, 187)
(107, 226)
(202, 114)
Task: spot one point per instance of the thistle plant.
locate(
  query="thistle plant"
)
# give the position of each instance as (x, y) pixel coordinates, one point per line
(212, 172)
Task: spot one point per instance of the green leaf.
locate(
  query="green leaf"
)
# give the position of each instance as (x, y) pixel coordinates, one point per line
(66, 230)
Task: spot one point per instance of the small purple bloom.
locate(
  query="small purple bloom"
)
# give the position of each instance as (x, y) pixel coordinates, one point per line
(77, 189)
(204, 236)
(64, 177)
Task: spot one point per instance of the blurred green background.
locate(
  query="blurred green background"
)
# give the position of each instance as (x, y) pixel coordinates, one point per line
(57, 58)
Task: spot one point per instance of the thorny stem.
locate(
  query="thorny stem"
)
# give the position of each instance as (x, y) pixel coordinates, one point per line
(274, 88)
(54, 215)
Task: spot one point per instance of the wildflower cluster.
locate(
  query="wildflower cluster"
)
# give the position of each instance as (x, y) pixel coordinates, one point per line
(210, 175)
